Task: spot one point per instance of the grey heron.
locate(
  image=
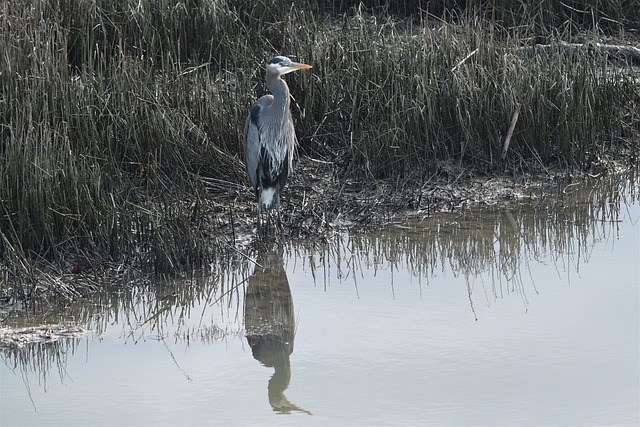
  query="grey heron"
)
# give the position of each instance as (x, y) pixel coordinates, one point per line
(270, 137)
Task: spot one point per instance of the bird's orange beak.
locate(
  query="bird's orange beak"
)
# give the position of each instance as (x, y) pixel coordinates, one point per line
(299, 66)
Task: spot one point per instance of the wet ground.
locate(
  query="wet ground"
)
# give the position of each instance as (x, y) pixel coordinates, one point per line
(525, 314)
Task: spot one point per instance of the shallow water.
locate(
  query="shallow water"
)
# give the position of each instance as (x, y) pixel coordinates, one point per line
(528, 316)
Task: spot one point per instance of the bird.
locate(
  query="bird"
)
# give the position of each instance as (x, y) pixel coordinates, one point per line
(269, 136)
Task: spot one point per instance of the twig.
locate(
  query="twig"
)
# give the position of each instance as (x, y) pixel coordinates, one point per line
(192, 69)
(630, 53)
(507, 140)
(464, 60)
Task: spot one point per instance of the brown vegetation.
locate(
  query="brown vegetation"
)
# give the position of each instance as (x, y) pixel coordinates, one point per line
(120, 121)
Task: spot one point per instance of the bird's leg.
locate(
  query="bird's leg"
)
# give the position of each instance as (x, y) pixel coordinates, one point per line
(278, 217)
(259, 215)
(263, 224)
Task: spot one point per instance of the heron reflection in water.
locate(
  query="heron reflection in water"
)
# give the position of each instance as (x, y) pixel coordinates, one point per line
(270, 325)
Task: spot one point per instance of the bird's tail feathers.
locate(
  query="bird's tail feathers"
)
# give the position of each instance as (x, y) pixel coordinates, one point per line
(268, 198)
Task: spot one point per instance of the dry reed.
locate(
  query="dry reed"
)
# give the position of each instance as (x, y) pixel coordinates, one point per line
(116, 117)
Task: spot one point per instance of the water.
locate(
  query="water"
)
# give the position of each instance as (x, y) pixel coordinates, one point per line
(527, 316)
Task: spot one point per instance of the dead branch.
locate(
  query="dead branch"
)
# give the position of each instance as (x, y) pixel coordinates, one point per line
(507, 140)
(464, 60)
(629, 53)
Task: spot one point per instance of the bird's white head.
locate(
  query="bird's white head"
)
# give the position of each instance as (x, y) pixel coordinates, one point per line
(282, 65)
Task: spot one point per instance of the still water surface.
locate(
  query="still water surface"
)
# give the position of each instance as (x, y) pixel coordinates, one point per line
(528, 315)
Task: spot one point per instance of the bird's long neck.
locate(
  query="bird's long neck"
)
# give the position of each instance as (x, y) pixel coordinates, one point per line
(280, 91)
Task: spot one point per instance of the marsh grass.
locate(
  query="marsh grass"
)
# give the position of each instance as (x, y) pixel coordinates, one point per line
(116, 117)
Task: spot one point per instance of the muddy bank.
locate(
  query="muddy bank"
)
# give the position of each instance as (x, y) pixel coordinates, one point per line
(318, 200)
(21, 337)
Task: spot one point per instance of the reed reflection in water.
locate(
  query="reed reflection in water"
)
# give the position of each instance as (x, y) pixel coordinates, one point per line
(492, 249)
(512, 268)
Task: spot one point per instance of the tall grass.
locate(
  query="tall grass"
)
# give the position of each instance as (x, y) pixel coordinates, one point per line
(112, 113)
(401, 97)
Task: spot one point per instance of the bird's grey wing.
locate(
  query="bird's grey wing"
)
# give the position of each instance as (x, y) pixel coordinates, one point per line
(252, 145)
(254, 138)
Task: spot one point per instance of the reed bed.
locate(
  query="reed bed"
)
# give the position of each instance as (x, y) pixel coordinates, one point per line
(121, 121)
